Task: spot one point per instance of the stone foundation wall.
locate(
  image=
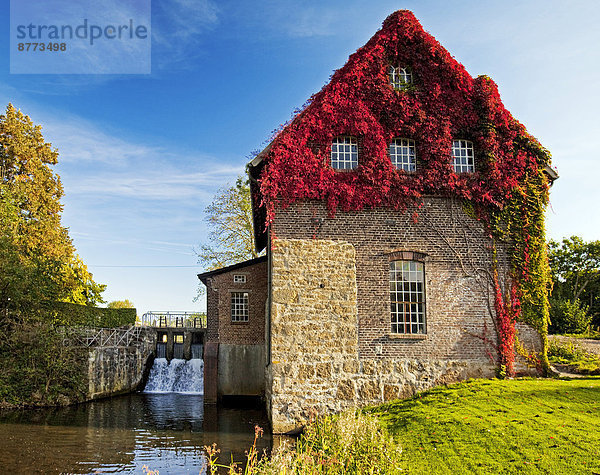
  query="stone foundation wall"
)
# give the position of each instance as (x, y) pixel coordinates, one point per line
(331, 345)
(116, 370)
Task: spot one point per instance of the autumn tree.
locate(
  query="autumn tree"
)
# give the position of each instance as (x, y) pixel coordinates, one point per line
(231, 236)
(120, 304)
(37, 260)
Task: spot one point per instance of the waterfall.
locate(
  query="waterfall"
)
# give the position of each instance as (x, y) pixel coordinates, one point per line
(176, 376)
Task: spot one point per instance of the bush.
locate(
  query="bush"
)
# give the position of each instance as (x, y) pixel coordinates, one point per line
(574, 356)
(568, 317)
(70, 314)
(36, 369)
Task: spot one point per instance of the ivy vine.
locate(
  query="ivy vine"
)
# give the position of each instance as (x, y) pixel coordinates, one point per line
(508, 189)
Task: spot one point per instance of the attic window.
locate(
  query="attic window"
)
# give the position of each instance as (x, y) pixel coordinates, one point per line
(400, 78)
(403, 154)
(239, 278)
(463, 156)
(344, 153)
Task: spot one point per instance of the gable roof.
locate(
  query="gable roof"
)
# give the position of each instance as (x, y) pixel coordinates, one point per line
(240, 265)
(444, 103)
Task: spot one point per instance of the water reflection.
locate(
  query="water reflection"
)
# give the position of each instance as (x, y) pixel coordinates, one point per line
(163, 431)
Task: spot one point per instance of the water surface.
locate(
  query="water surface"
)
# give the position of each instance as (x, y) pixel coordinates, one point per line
(165, 432)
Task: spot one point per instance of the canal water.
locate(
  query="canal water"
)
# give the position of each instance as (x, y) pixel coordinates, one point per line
(162, 430)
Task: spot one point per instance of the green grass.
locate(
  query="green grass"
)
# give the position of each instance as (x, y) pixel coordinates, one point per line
(492, 426)
(577, 359)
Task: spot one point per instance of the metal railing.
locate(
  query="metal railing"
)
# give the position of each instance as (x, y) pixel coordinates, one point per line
(174, 320)
(104, 337)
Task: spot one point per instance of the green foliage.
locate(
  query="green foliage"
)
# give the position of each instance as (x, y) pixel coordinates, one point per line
(38, 261)
(70, 314)
(35, 367)
(230, 219)
(568, 316)
(499, 426)
(347, 443)
(575, 267)
(120, 304)
(521, 223)
(574, 357)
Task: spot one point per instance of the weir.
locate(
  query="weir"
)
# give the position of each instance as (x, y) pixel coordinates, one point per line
(178, 366)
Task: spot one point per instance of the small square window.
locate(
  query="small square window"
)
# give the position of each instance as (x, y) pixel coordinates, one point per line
(344, 153)
(463, 156)
(179, 338)
(403, 154)
(239, 279)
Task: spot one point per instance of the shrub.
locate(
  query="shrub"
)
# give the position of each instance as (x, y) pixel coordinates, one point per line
(568, 316)
(70, 314)
(576, 357)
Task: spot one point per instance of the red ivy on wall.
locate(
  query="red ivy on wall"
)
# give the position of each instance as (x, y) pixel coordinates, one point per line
(444, 103)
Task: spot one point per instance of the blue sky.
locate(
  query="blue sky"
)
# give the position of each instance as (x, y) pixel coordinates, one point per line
(142, 155)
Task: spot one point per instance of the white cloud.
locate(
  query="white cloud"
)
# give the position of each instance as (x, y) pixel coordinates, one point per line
(155, 185)
(177, 33)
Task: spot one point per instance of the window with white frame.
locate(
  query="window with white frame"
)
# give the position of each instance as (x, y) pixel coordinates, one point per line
(239, 306)
(403, 154)
(344, 153)
(400, 78)
(239, 278)
(407, 297)
(463, 156)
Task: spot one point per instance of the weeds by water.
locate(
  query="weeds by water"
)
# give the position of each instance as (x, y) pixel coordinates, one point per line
(351, 442)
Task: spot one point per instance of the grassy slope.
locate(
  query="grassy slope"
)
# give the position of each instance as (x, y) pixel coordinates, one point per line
(518, 426)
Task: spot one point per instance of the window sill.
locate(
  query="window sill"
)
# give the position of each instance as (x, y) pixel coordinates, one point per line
(240, 323)
(407, 336)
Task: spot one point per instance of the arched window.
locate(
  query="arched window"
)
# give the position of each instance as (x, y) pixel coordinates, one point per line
(463, 156)
(344, 153)
(407, 297)
(400, 78)
(403, 154)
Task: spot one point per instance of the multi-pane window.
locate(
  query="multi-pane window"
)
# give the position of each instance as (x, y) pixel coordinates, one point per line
(407, 297)
(344, 153)
(239, 278)
(463, 156)
(239, 306)
(403, 154)
(400, 78)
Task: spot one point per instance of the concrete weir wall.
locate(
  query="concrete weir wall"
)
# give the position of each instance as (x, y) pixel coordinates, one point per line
(116, 370)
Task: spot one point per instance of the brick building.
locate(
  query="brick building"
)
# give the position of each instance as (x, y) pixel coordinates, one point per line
(381, 274)
(234, 354)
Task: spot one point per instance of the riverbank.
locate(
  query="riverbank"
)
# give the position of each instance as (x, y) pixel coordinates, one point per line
(480, 426)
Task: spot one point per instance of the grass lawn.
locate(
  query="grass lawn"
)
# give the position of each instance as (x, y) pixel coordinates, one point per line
(518, 426)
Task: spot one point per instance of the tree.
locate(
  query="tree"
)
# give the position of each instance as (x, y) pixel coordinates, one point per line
(120, 304)
(38, 261)
(230, 219)
(575, 266)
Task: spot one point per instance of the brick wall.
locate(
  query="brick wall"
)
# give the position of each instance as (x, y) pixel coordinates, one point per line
(457, 264)
(218, 301)
(331, 344)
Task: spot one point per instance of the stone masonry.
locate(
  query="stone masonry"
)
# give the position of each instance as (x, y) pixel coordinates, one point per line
(331, 346)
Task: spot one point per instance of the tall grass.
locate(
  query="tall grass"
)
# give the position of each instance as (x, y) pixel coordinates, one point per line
(348, 443)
